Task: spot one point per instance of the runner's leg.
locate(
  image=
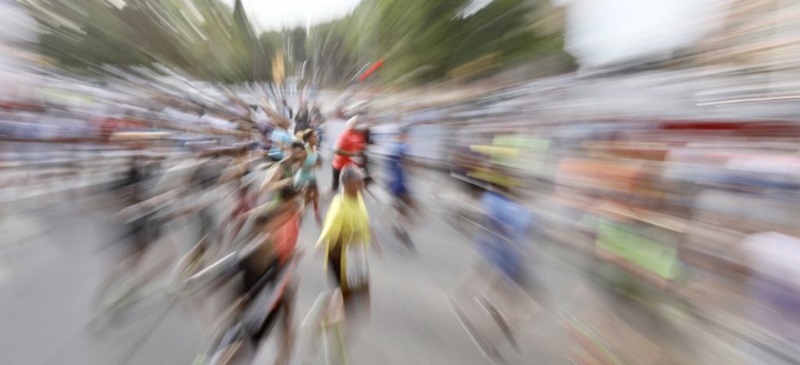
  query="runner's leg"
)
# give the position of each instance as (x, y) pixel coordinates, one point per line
(335, 181)
(335, 266)
(315, 200)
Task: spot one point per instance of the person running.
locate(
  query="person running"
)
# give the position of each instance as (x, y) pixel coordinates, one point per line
(317, 121)
(349, 146)
(283, 172)
(507, 224)
(346, 234)
(397, 185)
(502, 246)
(266, 247)
(280, 138)
(306, 178)
(143, 229)
(282, 225)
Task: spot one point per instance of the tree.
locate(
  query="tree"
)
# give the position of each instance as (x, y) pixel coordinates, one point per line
(421, 41)
(202, 37)
(426, 41)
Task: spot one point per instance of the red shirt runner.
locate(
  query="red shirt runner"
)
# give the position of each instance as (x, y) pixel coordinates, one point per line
(349, 141)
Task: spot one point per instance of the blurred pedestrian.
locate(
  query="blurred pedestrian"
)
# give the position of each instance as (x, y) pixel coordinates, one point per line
(346, 235)
(270, 242)
(143, 230)
(397, 185)
(281, 140)
(282, 173)
(306, 178)
(317, 120)
(503, 244)
(349, 146)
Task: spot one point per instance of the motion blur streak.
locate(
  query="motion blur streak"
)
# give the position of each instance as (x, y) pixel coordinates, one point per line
(555, 182)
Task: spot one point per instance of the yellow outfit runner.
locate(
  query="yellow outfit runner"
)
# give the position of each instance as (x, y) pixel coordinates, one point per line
(346, 222)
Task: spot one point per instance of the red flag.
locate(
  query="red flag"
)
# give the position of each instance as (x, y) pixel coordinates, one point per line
(370, 70)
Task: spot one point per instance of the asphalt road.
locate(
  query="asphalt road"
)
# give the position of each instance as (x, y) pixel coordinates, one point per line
(52, 260)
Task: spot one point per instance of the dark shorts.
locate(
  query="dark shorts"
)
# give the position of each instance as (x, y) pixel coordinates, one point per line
(253, 280)
(252, 284)
(356, 303)
(335, 265)
(335, 181)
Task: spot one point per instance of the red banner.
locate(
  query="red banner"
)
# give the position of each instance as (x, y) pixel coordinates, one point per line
(370, 70)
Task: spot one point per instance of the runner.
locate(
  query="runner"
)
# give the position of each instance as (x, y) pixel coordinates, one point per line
(283, 172)
(349, 145)
(281, 139)
(507, 224)
(397, 185)
(500, 283)
(306, 178)
(143, 229)
(346, 235)
(284, 227)
(317, 120)
(270, 240)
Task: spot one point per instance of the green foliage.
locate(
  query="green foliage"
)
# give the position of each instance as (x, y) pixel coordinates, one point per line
(426, 41)
(199, 36)
(420, 40)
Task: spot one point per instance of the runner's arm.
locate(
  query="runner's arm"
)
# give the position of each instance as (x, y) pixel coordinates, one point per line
(337, 148)
(342, 152)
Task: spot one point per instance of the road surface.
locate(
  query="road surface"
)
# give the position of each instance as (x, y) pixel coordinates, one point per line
(52, 259)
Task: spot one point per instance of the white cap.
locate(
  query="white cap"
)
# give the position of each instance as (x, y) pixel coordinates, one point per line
(352, 122)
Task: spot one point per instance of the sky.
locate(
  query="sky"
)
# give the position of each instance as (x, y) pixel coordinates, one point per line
(600, 32)
(276, 14)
